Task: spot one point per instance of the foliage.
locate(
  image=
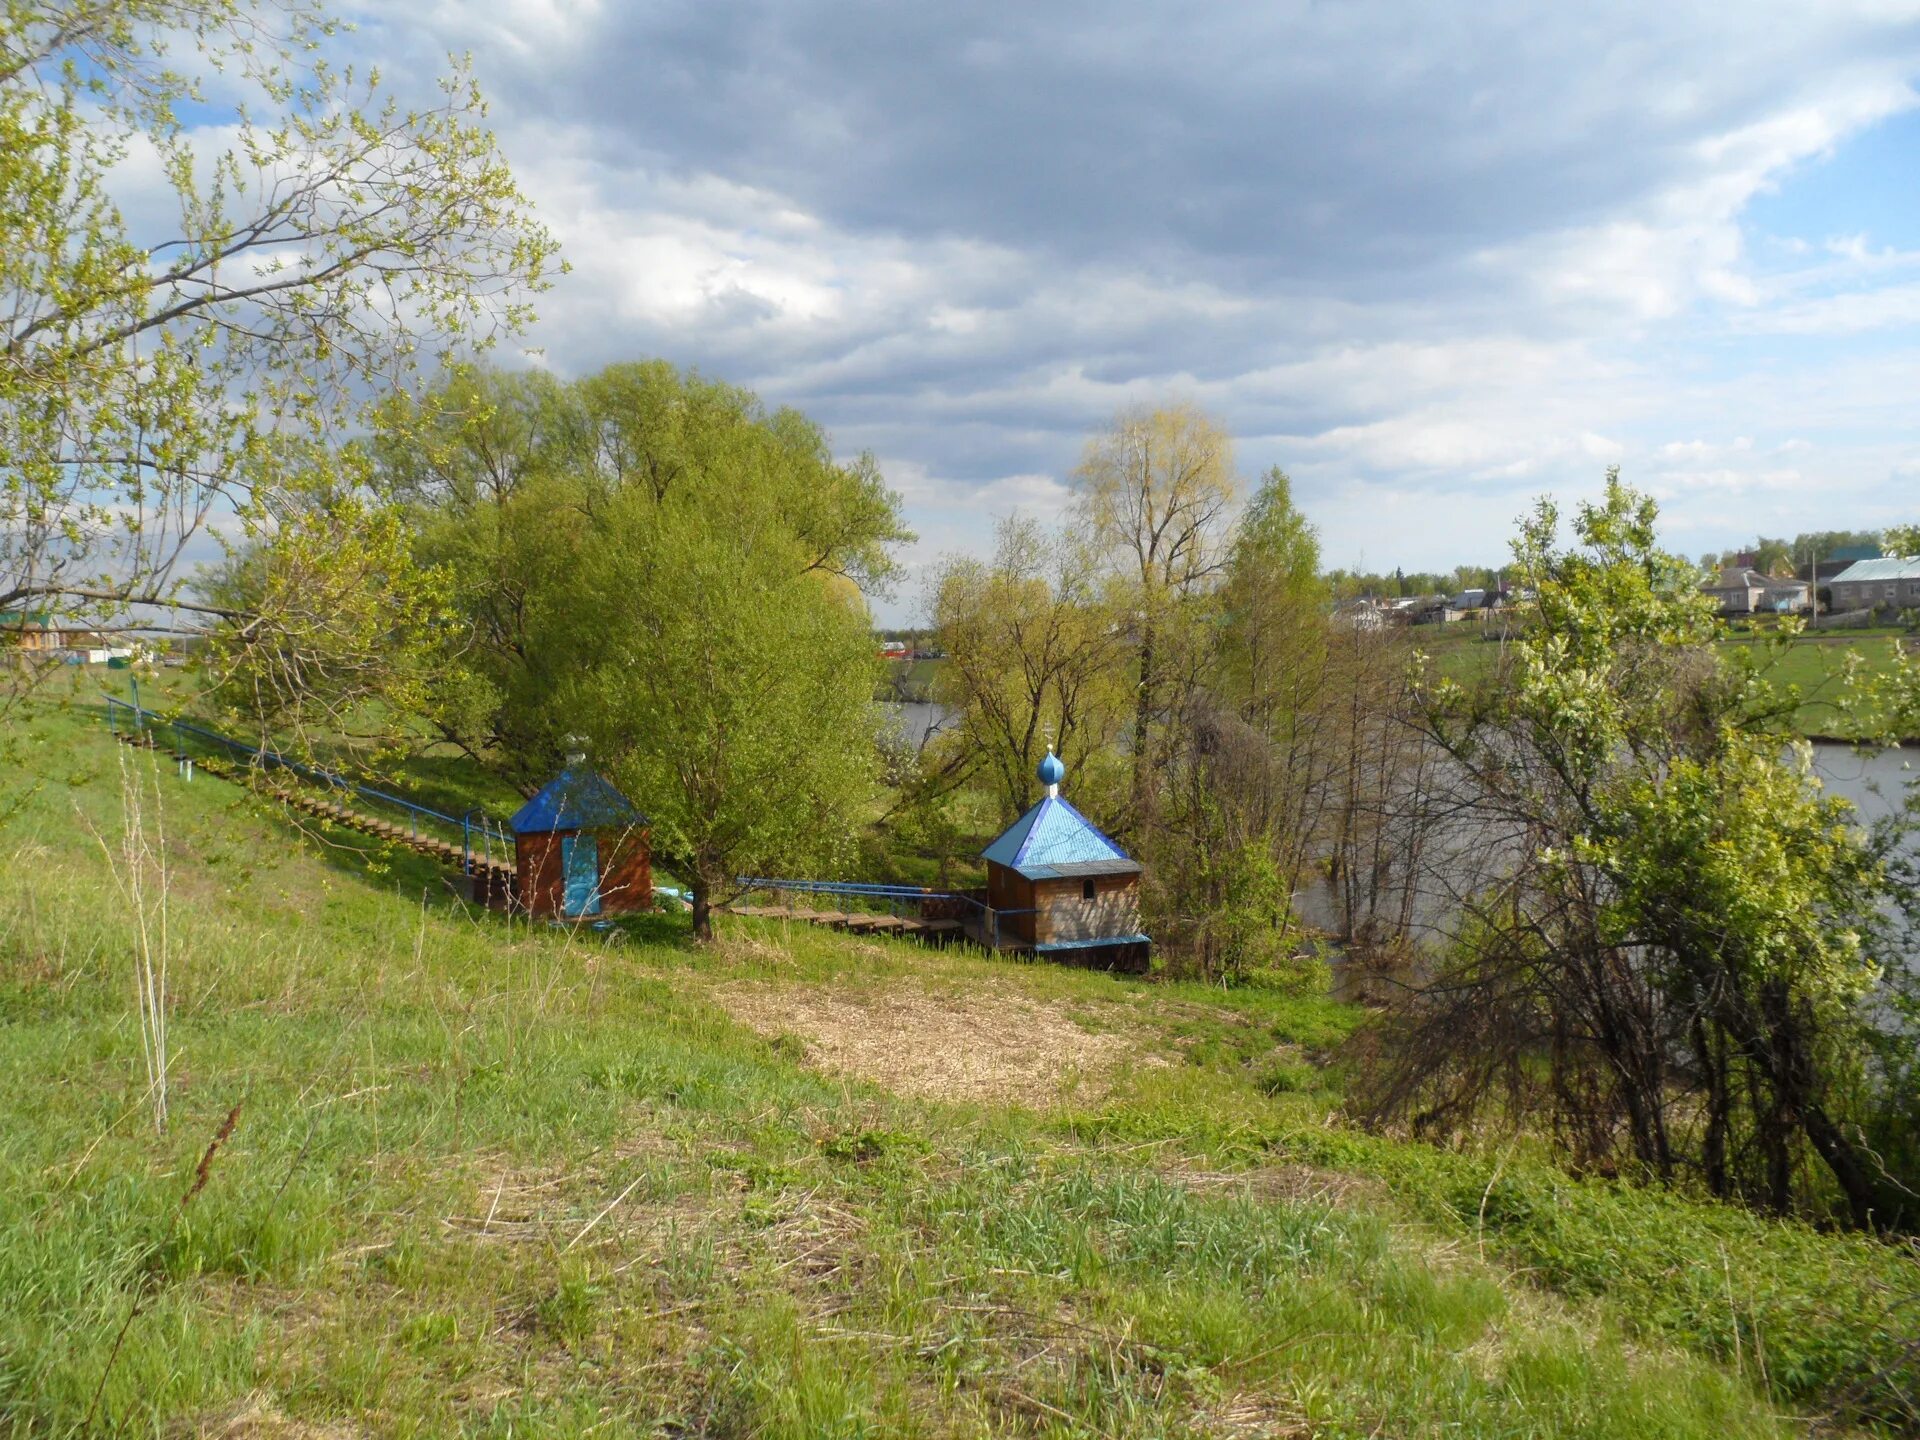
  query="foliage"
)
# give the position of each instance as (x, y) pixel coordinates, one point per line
(654, 561)
(1671, 965)
(508, 476)
(163, 375)
(1033, 653)
(1248, 928)
(1154, 491)
(721, 681)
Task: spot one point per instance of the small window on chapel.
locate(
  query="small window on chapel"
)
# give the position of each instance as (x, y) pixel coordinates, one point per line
(1086, 889)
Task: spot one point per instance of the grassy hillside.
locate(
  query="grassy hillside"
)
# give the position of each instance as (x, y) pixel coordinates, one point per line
(500, 1179)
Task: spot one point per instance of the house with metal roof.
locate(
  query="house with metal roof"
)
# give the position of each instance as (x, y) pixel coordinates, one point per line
(1889, 583)
(1742, 591)
(581, 849)
(1058, 887)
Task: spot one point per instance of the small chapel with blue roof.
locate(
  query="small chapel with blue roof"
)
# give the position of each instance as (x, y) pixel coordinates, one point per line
(581, 849)
(1060, 888)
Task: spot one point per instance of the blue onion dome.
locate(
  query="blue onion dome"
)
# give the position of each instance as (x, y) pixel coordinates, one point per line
(1051, 771)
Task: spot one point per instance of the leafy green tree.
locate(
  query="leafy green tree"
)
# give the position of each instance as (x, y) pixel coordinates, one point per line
(1672, 956)
(1274, 597)
(1250, 761)
(1773, 556)
(160, 377)
(723, 682)
(655, 561)
(1034, 660)
(1901, 540)
(1810, 546)
(509, 477)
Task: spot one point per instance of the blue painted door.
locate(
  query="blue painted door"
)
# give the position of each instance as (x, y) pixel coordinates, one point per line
(580, 862)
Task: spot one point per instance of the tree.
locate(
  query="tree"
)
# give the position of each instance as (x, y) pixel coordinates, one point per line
(1671, 950)
(161, 377)
(1155, 489)
(1901, 540)
(507, 477)
(726, 684)
(653, 560)
(1772, 556)
(1032, 653)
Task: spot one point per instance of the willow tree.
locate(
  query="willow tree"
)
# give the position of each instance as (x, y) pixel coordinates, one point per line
(1155, 490)
(717, 658)
(513, 482)
(173, 370)
(656, 561)
(1254, 751)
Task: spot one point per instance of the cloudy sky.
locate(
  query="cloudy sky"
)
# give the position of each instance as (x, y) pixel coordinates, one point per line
(1432, 259)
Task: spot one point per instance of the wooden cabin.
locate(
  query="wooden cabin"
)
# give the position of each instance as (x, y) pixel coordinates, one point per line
(1058, 887)
(581, 849)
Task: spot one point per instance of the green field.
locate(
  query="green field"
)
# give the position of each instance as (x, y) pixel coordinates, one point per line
(1811, 670)
(498, 1179)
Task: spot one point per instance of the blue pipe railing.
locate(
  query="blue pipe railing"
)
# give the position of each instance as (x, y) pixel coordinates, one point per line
(475, 822)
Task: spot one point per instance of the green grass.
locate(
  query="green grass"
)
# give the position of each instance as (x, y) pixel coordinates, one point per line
(1815, 673)
(910, 679)
(1811, 671)
(494, 1179)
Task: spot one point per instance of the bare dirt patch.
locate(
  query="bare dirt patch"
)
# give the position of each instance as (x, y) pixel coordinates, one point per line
(976, 1046)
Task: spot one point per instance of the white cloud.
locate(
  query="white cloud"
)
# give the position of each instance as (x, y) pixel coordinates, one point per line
(1431, 261)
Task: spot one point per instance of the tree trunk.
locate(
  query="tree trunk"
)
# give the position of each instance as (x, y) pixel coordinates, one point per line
(1142, 719)
(702, 912)
(1713, 1071)
(1782, 1057)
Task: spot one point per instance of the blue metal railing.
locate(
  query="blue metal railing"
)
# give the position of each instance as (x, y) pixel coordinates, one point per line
(473, 826)
(895, 897)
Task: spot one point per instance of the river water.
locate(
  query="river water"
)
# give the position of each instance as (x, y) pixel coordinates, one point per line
(918, 721)
(1873, 781)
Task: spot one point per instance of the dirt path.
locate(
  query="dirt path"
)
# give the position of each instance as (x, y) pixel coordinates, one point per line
(974, 1046)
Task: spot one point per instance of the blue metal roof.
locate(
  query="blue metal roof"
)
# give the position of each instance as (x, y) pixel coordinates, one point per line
(575, 800)
(1051, 833)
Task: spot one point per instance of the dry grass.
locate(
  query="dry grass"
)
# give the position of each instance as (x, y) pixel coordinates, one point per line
(985, 1046)
(1250, 1417)
(1269, 1183)
(258, 1418)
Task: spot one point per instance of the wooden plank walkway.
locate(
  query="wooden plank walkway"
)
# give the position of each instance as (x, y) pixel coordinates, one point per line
(853, 922)
(324, 807)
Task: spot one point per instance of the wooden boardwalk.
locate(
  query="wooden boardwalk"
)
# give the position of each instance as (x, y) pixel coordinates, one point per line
(322, 806)
(853, 922)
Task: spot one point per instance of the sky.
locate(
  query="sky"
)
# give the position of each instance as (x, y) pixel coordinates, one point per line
(1433, 260)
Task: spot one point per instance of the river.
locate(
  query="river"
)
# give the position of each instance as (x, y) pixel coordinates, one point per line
(1873, 781)
(918, 721)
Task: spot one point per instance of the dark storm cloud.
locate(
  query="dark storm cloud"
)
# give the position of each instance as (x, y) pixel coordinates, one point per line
(1461, 252)
(1348, 144)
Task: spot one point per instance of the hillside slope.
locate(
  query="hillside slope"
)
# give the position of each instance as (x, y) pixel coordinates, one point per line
(497, 1179)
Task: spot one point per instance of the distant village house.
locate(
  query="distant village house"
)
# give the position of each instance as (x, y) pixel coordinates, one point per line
(1892, 583)
(1739, 590)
